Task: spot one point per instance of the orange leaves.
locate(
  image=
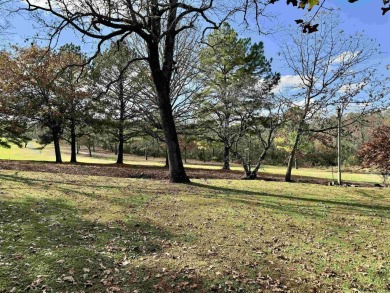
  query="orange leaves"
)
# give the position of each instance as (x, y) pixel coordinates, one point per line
(376, 152)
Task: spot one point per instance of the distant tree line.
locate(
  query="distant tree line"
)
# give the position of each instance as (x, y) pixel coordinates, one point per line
(226, 102)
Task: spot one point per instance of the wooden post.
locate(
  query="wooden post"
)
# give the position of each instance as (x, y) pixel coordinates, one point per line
(339, 145)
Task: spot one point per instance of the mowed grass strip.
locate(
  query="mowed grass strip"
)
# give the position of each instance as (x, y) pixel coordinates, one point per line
(33, 153)
(68, 233)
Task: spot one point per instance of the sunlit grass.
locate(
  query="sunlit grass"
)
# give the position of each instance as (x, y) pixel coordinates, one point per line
(72, 233)
(34, 153)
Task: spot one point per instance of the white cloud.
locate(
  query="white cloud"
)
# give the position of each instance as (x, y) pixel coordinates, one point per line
(40, 3)
(288, 82)
(345, 56)
(347, 88)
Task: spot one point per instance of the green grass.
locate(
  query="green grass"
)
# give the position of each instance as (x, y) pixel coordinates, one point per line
(33, 153)
(79, 233)
(326, 173)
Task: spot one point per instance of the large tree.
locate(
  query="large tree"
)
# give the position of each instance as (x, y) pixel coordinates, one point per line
(12, 127)
(184, 88)
(237, 78)
(376, 152)
(263, 127)
(40, 91)
(332, 70)
(73, 89)
(158, 23)
(118, 101)
(30, 74)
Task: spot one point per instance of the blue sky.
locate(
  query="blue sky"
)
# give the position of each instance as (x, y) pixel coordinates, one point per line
(363, 15)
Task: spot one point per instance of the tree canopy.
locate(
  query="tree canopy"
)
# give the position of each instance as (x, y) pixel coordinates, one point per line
(237, 79)
(376, 152)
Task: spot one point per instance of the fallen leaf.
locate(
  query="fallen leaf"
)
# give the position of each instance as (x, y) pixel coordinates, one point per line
(69, 279)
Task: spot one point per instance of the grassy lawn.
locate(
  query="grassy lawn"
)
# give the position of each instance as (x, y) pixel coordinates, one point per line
(33, 153)
(98, 234)
(325, 173)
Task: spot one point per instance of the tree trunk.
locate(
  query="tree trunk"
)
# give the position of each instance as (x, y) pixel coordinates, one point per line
(166, 160)
(292, 157)
(185, 154)
(56, 140)
(297, 138)
(73, 158)
(226, 157)
(162, 74)
(89, 150)
(121, 123)
(119, 159)
(252, 174)
(176, 167)
(78, 148)
(296, 163)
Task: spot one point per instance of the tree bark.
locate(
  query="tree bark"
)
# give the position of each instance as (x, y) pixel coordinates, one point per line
(252, 174)
(73, 158)
(226, 157)
(56, 139)
(292, 157)
(161, 78)
(166, 160)
(121, 123)
(89, 149)
(119, 159)
(176, 167)
(297, 138)
(162, 74)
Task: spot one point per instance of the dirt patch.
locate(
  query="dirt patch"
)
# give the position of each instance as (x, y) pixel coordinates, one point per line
(150, 172)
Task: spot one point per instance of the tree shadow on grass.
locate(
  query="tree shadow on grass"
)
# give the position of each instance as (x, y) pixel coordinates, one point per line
(16, 178)
(47, 245)
(298, 206)
(36, 181)
(369, 195)
(63, 186)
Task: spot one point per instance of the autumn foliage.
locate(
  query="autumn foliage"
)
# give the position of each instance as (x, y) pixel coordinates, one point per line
(376, 152)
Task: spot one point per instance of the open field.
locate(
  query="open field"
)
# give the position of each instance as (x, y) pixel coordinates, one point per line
(101, 234)
(32, 153)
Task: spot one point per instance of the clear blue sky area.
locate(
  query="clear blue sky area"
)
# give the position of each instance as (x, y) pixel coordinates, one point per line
(363, 15)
